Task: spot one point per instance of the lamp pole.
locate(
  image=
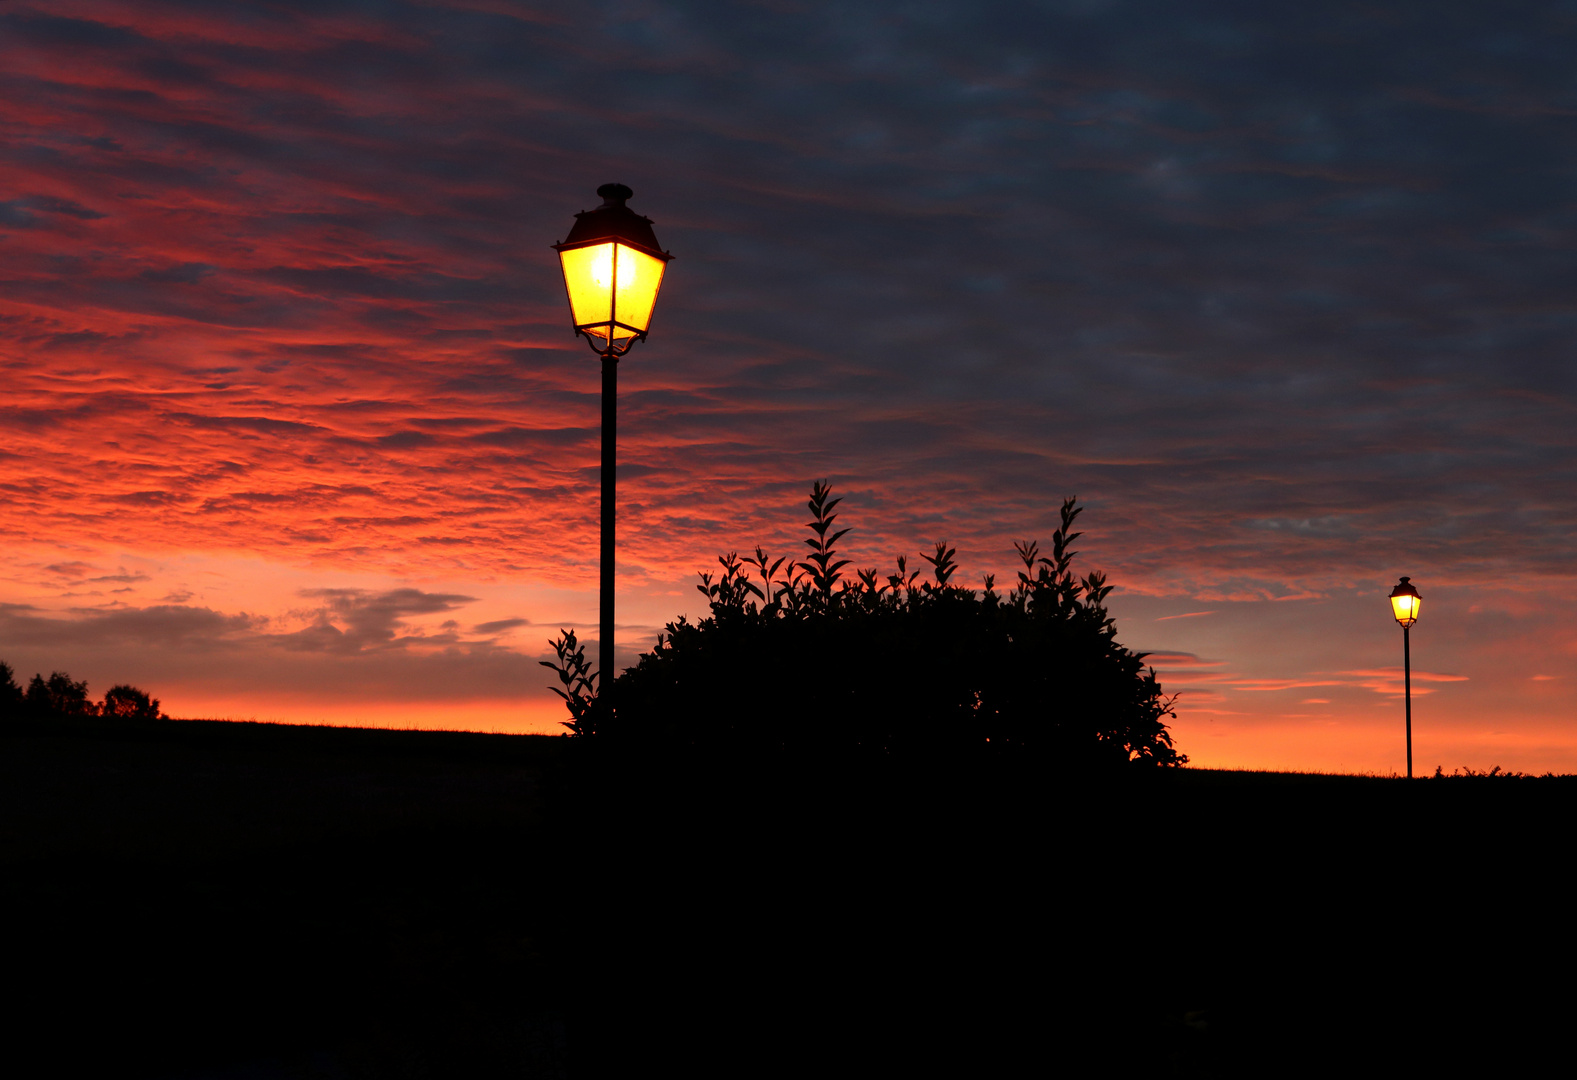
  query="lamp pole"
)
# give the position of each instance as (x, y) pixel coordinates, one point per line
(1407, 692)
(610, 499)
(613, 268)
(1404, 606)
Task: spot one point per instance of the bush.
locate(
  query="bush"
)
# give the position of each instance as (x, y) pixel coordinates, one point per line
(577, 683)
(812, 660)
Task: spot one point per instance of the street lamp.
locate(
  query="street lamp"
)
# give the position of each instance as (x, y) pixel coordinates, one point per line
(1404, 605)
(613, 269)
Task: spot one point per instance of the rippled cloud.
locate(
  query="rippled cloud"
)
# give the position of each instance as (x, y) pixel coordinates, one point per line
(1285, 295)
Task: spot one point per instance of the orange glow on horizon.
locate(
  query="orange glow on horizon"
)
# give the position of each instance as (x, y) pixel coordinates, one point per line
(529, 717)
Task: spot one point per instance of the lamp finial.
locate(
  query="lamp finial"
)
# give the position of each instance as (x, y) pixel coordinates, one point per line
(614, 194)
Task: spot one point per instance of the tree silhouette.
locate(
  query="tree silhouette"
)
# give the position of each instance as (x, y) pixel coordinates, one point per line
(128, 703)
(888, 666)
(59, 696)
(10, 693)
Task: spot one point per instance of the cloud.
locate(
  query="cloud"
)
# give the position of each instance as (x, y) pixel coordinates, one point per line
(370, 620)
(1389, 681)
(1266, 685)
(498, 626)
(1211, 680)
(122, 578)
(16, 215)
(349, 645)
(337, 620)
(1178, 660)
(162, 626)
(1290, 310)
(370, 237)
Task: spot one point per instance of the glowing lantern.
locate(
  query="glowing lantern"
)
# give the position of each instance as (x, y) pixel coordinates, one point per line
(613, 269)
(1404, 603)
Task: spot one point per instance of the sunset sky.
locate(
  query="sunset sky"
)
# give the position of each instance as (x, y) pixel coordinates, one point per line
(293, 426)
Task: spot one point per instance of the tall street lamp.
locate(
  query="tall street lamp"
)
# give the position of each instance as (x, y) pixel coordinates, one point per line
(1404, 605)
(613, 268)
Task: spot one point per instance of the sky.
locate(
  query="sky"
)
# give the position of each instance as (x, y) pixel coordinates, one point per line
(293, 425)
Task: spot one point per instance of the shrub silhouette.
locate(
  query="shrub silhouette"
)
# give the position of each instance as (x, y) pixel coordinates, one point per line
(128, 703)
(578, 683)
(812, 660)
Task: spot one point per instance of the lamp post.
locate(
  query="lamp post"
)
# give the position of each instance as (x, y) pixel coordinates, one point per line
(1404, 605)
(613, 268)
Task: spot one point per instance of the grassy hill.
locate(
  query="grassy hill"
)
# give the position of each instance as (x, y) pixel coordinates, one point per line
(204, 899)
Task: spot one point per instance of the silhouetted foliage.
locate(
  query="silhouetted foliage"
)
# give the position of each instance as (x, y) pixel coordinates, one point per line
(128, 703)
(1496, 773)
(578, 683)
(61, 696)
(886, 666)
(10, 693)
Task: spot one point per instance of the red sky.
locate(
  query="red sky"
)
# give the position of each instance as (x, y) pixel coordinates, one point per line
(292, 425)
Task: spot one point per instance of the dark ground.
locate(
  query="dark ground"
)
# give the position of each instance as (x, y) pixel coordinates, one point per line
(204, 900)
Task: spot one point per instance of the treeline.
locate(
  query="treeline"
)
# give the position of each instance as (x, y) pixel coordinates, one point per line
(60, 696)
(795, 655)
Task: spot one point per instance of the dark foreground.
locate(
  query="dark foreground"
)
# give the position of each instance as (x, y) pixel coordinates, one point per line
(233, 900)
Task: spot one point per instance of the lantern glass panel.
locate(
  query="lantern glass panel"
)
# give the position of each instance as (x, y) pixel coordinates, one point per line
(640, 276)
(1405, 608)
(612, 289)
(590, 300)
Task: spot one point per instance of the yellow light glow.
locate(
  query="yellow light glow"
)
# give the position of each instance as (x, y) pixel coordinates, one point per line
(612, 289)
(1405, 608)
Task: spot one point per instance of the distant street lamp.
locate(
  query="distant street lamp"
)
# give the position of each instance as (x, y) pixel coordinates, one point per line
(1404, 605)
(612, 268)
